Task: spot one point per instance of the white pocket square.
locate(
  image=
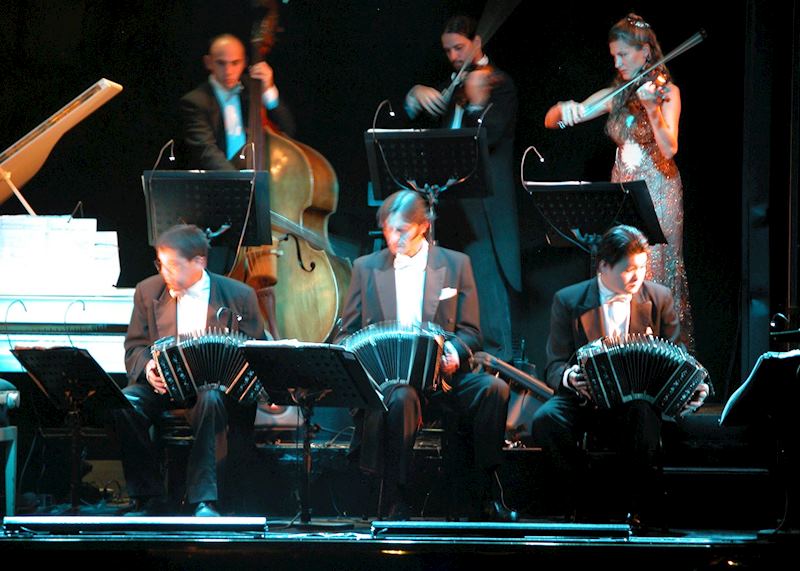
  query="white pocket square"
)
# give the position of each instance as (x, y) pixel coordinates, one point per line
(447, 293)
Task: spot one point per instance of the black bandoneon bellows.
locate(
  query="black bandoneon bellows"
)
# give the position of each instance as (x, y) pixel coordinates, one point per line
(638, 366)
(203, 360)
(391, 351)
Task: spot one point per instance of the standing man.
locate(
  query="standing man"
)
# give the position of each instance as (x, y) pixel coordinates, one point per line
(215, 118)
(616, 302)
(215, 114)
(413, 282)
(182, 298)
(485, 229)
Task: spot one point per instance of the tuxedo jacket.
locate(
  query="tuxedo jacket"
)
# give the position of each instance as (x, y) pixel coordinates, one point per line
(155, 315)
(204, 129)
(576, 318)
(450, 299)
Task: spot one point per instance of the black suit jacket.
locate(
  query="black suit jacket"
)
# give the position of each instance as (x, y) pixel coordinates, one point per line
(372, 296)
(576, 319)
(155, 315)
(204, 129)
(500, 208)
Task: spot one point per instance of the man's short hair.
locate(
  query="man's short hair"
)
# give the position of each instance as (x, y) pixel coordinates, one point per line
(409, 204)
(620, 242)
(186, 239)
(461, 24)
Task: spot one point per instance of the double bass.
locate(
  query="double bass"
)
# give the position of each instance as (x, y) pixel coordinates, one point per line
(300, 282)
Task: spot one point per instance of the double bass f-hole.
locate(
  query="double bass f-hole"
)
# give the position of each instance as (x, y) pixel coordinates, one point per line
(299, 254)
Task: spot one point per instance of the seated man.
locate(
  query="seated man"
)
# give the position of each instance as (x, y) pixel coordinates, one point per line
(182, 298)
(616, 302)
(412, 281)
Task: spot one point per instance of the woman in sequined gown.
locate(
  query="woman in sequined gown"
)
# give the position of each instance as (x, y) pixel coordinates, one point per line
(643, 122)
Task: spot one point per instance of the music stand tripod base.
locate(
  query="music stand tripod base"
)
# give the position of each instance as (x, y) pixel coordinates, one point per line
(302, 374)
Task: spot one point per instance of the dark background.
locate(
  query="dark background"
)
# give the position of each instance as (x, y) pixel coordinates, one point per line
(334, 63)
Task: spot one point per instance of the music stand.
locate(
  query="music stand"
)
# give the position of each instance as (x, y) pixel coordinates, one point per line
(430, 161)
(70, 378)
(221, 202)
(771, 392)
(308, 375)
(581, 212)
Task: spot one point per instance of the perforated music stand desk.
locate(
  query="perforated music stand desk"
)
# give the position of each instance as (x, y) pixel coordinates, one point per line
(585, 210)
(209, 199)
(308, 375)
(430, 161)
(70, 378)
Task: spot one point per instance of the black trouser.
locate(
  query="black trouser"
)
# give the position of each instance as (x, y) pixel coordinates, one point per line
(560, 424)
(476, 408)
(208, 418)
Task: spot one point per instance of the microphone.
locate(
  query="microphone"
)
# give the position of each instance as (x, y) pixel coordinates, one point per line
(242, 155)
(485, 111)
(378, 110)
(231, 315)
(171, 145)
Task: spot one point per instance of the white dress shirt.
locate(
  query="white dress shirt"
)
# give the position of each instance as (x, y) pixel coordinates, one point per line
(193, 305)
(231, 105)
(409, 282)
(616, 310)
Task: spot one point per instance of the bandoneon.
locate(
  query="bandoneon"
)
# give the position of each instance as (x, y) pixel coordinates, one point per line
(638, 366)
(391, 351)
(206, 360)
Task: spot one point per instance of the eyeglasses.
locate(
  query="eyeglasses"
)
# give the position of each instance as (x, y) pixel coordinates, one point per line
(171, 267)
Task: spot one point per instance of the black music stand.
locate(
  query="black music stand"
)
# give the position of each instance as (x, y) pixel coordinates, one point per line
(430, 161)
(71, 379)
(221, 202)
(582, 211)
(308, 375)
(771, 393)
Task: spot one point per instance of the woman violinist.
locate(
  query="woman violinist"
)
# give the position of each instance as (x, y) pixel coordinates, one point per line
(643, 121)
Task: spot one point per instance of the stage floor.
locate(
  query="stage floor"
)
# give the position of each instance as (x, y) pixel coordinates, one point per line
(102, 542)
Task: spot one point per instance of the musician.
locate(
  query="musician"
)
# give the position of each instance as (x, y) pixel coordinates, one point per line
(215, 114)
(412, 281)
(615, 302)
(183, 297)
(484, 229)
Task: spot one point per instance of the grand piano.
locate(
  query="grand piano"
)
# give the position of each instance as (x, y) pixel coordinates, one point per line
(81, 307)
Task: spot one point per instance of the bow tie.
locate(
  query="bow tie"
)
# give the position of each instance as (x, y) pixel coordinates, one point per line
(177, 294)
(619, 298)
(402, 261)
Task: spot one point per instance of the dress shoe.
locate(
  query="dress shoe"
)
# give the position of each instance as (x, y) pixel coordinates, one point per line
(206, 509)
(494, 510)
(399, 511)
(143, 507)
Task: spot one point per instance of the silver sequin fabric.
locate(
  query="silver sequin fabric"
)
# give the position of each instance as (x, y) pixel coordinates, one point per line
(639, 158)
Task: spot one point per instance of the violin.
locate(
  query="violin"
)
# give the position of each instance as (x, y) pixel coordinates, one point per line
(652, 73)
(645, 75)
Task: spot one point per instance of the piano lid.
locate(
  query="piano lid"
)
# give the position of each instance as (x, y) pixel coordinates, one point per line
(23, 159)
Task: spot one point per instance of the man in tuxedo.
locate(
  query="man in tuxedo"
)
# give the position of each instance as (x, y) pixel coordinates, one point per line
(411, 281)
(183, 297)
(215, 114)
(483, 228)
(615, 302)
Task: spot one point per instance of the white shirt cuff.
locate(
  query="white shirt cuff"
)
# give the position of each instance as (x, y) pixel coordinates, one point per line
(271, 98)
(450, 349)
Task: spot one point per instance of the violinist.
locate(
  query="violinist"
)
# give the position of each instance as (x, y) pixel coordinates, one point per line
(643, 122)
(215, 114)
(485, 229)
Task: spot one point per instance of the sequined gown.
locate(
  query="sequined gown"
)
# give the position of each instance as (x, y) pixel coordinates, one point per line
(639, 158)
